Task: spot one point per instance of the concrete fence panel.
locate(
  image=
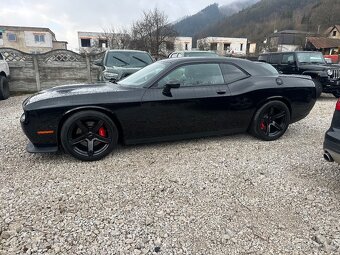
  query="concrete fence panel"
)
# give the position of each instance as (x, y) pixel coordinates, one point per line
(34, 72)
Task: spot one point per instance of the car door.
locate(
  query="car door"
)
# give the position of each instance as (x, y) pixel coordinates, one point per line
(198, 106)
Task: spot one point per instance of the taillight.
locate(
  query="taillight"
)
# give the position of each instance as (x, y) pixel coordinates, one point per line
(337, 106)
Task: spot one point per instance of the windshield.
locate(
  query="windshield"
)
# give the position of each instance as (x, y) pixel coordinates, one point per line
(127, 59)
(310, 58)
(143, 76)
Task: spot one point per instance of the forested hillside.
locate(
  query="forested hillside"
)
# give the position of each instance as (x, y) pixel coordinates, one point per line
(210, 15)
(261, 19)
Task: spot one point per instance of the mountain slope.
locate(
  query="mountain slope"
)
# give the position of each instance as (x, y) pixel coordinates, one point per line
(261, 19)
(197, 22)
(189, 26)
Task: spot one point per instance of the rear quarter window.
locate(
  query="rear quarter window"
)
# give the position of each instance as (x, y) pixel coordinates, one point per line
(232, 73)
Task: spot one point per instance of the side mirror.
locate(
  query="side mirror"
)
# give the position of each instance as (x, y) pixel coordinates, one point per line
(292, 63)
(170, 85)
(98, 62)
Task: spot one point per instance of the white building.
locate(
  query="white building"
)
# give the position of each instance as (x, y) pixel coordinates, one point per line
(101, 41)
(183, 43)
(224, 45)
(29, 39)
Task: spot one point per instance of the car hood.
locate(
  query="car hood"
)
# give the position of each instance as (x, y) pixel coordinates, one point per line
(316, 67)
(78, 94)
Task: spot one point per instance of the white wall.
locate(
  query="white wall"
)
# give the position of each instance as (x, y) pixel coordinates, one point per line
(235, 44)
(180, 43)
(30, 41)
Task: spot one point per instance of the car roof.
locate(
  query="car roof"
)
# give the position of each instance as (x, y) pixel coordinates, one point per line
(203, 59)
(247, 65)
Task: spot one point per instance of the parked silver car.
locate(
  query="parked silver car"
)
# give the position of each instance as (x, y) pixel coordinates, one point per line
(118, 64)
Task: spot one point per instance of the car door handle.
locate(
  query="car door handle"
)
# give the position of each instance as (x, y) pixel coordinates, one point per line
(221, 92)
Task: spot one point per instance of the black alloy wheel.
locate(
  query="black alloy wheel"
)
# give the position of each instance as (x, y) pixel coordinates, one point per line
(89, 135)
(4, 88)
(336, 94)
(270, 121)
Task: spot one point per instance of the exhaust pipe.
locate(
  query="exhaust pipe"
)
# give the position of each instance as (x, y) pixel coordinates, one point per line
(328, 157)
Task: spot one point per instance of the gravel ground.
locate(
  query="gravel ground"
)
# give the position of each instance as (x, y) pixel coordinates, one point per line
(224, 195)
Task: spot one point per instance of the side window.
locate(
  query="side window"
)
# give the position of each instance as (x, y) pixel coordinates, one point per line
(275, 59)
(194, 75)
(287, 58)
(232, 73)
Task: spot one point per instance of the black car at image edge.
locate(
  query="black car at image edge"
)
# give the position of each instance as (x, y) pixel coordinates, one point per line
(170, 99)
(331, 143)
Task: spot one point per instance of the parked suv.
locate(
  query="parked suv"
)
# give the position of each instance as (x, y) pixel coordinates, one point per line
(118, 64)
(326, 77)
(4, 76)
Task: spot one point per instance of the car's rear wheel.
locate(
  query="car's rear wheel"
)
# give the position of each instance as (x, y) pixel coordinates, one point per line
(336, 94)
(270, 121)
(4, 88)
(89, 135)
(318, 87)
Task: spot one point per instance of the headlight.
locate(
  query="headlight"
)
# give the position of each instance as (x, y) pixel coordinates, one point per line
(329, 72)
(110, 76)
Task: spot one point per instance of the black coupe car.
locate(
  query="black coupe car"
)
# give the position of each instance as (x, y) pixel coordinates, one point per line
(170, 99)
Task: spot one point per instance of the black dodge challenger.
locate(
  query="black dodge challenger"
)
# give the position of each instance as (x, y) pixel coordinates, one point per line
(169, 99)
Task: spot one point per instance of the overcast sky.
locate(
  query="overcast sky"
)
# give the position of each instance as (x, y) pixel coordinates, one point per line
(66, 17)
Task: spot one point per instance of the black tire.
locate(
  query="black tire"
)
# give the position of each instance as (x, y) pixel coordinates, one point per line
(318, 87)
(4, 88)
(270, 121)
(336, 94)
(89, 135)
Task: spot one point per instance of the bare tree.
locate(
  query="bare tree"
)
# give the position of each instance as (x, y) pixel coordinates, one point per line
(116, 39)
(203, 44)
(153, 33)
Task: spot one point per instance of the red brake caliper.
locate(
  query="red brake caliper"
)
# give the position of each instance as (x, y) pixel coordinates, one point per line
(102, 132)
(263, 125)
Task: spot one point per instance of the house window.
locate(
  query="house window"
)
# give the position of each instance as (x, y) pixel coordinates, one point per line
(85, 42)
(241, 47)
(334, 33)
(186, 46)
(0, 35)
(39, 38)
(11, 37)
(226, 46)
(213, 46)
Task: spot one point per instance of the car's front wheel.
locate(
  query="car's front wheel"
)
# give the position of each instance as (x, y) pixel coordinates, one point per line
(89, 135)
(270, 121)
(4, 88)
